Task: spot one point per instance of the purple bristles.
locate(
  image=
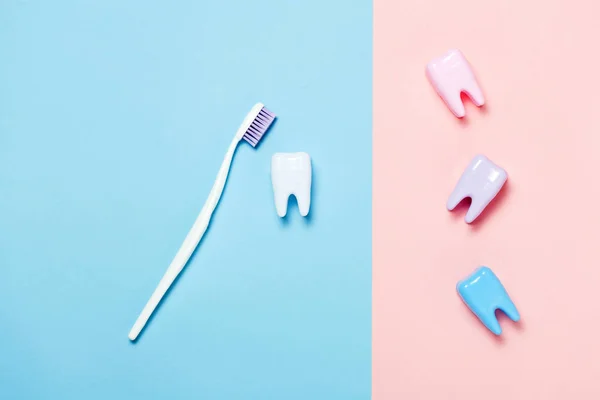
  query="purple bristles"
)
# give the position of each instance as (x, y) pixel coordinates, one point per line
(259, 127)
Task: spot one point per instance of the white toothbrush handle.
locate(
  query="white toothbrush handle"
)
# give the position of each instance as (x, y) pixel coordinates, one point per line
(191, 240)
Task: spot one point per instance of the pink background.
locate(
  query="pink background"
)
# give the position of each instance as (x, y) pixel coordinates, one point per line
(537, 62)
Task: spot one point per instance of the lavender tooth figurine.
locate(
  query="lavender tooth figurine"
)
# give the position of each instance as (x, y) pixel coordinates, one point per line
(481, 181)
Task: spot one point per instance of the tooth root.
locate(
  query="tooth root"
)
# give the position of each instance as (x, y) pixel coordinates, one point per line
(509, 308)
(291, 173)
(281, 203)
(483, 293)
(451, 97)
(491, 322)
(455, 104)
(475, 209)
(451, 75)
(472, 89)
(303, 199)
(482, 180)
(455, 198)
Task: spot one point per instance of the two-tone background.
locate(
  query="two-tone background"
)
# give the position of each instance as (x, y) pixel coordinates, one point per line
(114, 118)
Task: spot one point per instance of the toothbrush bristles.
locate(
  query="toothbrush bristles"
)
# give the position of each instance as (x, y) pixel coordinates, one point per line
(259, 126)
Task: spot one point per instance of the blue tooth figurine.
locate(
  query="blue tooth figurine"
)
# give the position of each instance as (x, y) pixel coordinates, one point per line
(483, 293)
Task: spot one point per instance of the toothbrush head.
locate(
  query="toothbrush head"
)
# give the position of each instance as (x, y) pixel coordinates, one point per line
(257, 123)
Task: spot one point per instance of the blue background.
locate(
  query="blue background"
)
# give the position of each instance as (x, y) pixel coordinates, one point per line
(114, 119)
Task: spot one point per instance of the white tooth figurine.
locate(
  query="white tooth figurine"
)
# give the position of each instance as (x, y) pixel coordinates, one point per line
(481, 181)
(291, 173)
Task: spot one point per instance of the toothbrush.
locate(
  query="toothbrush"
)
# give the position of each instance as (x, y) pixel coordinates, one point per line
(255, 125)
